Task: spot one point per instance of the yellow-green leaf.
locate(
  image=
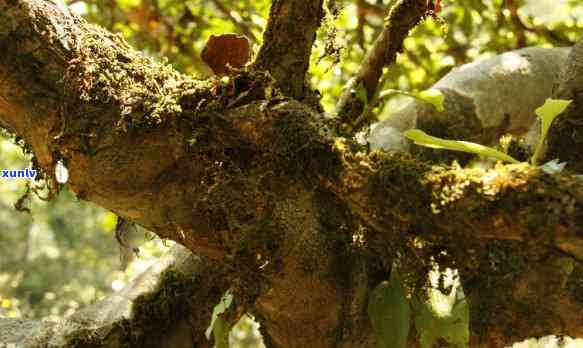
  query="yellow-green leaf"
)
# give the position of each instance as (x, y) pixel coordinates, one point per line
(547, 114)
(452, 328)
(389, 313)
(433, 97)
(219, 327)
(419, 137)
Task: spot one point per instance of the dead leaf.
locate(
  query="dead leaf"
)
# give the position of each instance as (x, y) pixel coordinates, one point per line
(226, 50)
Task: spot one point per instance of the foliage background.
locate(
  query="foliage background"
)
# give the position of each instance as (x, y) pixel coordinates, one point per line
(64, 255)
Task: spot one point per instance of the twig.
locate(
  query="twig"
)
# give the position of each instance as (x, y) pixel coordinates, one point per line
(404, 15)
(521, 28)
(239, 24)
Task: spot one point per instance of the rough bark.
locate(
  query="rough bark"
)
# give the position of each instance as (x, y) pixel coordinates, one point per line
(305, 224)
(287, 43)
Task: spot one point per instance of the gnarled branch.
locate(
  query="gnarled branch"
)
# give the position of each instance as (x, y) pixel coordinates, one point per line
(287, 43)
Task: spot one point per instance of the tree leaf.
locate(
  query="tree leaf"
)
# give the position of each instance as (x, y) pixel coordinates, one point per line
(218, 326)
(433, 97)
(226, 50)
(547, 114)
(453, 328)
(221, 330)
(389, 313)
(419, 137)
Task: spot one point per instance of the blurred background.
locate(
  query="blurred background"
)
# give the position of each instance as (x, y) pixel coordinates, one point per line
(64, 255)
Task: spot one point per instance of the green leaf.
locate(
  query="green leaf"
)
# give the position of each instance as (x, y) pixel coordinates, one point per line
(389, 313)
(433, 97)
(452, 328)
(221, 330)
(547, 114)
(219, 327)
(419, 137)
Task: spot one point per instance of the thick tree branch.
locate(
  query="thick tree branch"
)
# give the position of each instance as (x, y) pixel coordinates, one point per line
(178, 292)
(454, 214)
(439, 204)
(287, 43)
(403, 17)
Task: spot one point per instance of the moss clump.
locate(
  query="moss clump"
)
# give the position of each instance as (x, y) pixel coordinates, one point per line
(106, 69)
(490, 286)
(153, 313)
(300, 150)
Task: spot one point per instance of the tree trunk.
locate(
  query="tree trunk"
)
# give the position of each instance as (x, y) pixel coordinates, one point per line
(298, 224)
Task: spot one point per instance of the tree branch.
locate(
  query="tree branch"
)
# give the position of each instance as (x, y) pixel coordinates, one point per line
(245, 29)
(565, 137)
(403, 17)
(287, 43)
(163, 295)
(237, 171)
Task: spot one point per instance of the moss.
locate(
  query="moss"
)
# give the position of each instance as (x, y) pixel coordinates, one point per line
(402, 178)
(516, 147)
(106, 69)
(301, 151)
(490, 286)
(575, 284)
(153, 313)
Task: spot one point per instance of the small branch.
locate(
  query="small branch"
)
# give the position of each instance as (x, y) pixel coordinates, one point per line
(518, 24)
(522, 28)
(404, 15)
(239, 24)
(287, 43)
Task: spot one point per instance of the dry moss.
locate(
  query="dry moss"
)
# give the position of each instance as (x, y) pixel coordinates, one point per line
(106, 69)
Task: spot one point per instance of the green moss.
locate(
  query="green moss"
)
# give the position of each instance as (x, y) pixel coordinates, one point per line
(490, 286)
(153, 313)
(301, 151)
(106, 69)
(403, 179)
(516, 147)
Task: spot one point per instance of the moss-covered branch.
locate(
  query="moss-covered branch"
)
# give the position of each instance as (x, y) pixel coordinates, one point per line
(404, 16)
(233, 169)
(168, 305)
(508, 202)
(287, 43)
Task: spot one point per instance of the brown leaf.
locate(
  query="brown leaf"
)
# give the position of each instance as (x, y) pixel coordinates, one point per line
(226, 50)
